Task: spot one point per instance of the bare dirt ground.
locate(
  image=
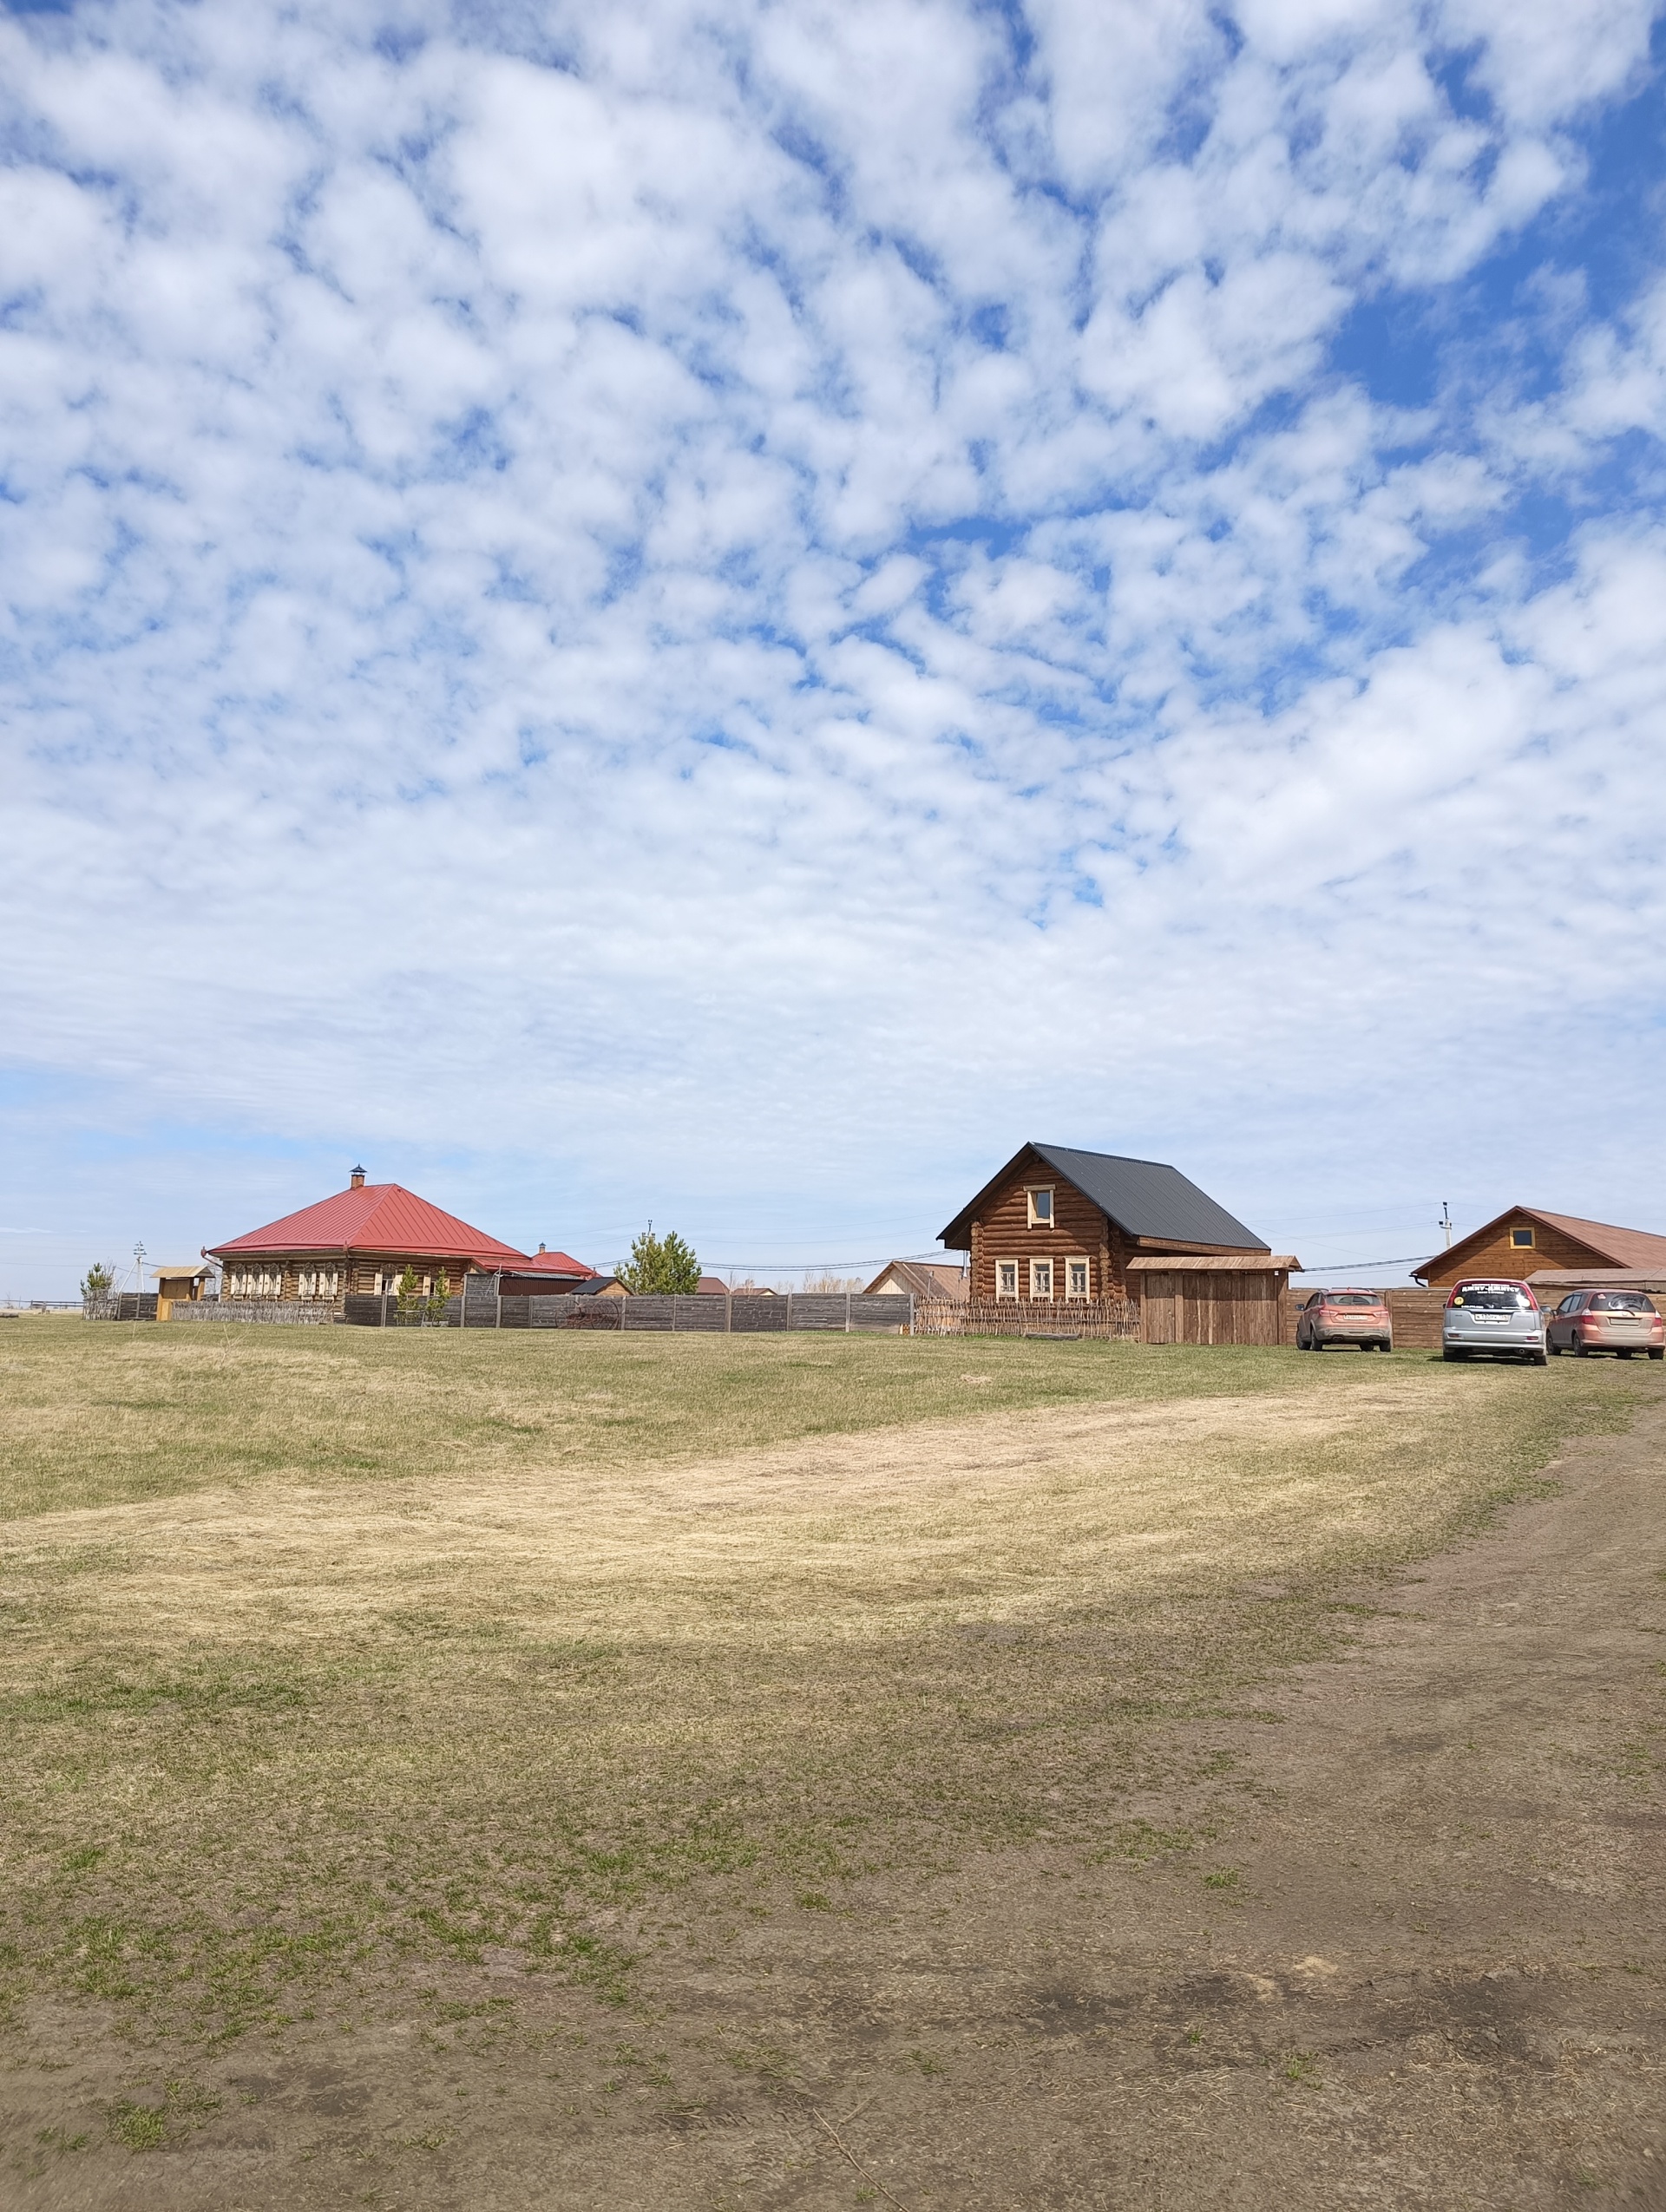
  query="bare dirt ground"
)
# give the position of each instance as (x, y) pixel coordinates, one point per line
(1398, 1941)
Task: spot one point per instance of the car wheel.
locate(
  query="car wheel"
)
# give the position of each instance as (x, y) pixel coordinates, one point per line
(1661, 1354)
(1448, 1352)
(1625, 1354)
(1581, 1350)
(1553, 1348)
(1540, 1359)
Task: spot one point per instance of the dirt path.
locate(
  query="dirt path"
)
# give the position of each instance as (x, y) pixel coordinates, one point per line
(1417, 1964)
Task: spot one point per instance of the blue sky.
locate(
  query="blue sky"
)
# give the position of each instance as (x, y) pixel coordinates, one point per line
(722, 612)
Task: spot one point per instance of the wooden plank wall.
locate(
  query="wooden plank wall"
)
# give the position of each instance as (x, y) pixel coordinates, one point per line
(1184, 1307)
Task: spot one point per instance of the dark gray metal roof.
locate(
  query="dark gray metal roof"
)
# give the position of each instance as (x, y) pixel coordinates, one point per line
(1144, 1197)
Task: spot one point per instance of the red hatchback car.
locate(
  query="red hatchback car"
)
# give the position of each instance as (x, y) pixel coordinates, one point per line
(1620, 1321)
(1355, 1317)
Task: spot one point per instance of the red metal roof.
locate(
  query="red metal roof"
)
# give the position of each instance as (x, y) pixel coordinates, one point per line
(554, 1263)
(377, 1217)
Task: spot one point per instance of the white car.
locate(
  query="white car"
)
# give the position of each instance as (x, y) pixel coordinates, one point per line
(1492, 1318)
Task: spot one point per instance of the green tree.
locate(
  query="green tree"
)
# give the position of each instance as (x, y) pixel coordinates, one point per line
(659, 1265)
(98, 1283)
(409, 1292)
(441, 1291)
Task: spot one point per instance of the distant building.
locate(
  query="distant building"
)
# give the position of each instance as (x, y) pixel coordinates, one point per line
(547, 1274)
(931, 1279)
(1057, 1224)
(1525, 1241)
(178, 1283)
(364, 1239)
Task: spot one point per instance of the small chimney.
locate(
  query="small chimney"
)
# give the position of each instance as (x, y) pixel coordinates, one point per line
(541, 1248)
(357, 1179)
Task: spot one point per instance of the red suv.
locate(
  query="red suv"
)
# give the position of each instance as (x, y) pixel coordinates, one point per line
(1355, 1317)
(1620, 1321)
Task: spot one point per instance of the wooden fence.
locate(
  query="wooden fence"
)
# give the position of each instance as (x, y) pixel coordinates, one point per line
(841, 1312)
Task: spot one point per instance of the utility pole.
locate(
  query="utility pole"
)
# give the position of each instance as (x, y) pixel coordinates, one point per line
(138, 1281)
(1445, 1222)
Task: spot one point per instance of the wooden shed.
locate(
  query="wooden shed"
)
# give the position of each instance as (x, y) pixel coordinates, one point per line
(180, 1283)
(1223, 1299)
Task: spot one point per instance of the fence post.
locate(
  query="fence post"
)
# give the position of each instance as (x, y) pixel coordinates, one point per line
(847, 1313)
(729, 1312)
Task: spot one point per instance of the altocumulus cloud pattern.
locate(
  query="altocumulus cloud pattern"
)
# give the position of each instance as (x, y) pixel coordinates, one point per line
(764, 600)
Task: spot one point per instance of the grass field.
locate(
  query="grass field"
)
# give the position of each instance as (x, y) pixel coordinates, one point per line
(332, 1659)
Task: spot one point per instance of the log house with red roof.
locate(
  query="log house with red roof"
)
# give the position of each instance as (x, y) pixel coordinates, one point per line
(362, 1240)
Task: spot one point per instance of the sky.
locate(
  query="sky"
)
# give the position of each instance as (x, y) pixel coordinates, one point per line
(721, 612)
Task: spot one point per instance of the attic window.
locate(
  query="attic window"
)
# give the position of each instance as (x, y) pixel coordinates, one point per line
(1522, 1240)
(1040, 1208)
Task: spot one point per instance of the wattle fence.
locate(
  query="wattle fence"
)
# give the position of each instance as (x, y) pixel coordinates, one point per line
(1110, 1317)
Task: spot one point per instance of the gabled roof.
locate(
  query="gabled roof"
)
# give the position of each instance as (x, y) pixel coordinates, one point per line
(1145, 1198)
(374, 1218)
(1619, 1247)
(553, 1263)
(925, 1279)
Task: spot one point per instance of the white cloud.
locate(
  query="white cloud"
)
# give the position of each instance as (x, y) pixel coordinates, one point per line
(545, 584)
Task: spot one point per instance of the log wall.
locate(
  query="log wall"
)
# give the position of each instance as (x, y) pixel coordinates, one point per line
(1002, 1231)
(1498, 1256)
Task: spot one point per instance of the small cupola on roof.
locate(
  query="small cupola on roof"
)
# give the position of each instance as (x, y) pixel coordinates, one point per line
(355, 1179)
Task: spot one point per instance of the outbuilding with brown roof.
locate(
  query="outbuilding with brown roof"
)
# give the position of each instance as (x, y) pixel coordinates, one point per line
(1525, 1241)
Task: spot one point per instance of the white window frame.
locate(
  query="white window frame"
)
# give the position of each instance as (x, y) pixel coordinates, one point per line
(1079, 1259)
(1031, 1192)
(1041, 1297)
(1001, 1265)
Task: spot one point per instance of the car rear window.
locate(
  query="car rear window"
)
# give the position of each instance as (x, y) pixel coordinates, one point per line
(1352, 1298)
(1621, 1302)
(1494, 1297)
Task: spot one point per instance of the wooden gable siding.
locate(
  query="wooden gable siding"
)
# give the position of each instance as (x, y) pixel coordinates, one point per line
(1002, 1231)
(1498, 1256)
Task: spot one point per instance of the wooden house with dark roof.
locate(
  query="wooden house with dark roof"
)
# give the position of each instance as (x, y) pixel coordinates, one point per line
(1059, 1228)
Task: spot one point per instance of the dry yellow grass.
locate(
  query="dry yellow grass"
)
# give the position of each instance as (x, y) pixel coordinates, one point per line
(326, 1661)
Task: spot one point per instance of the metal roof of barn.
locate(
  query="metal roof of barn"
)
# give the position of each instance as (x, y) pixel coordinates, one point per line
(374, 1218)
(1146, 1199)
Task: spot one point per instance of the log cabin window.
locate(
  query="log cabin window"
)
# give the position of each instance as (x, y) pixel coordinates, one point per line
(1040, 1208)
(1005, 1279)
(1040, 1279)
(1076, 1279)
(1522, 1240)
